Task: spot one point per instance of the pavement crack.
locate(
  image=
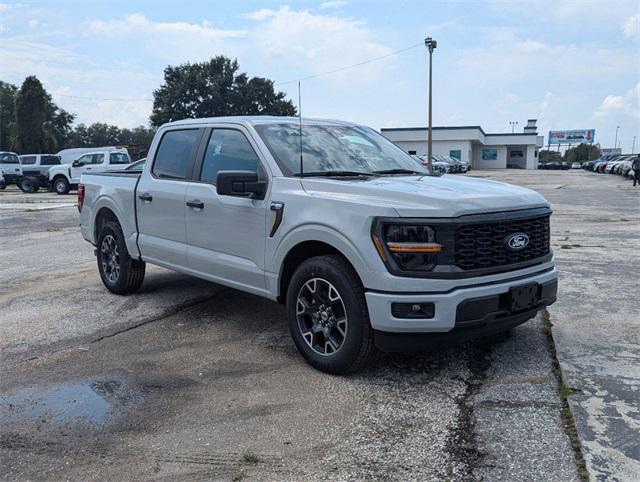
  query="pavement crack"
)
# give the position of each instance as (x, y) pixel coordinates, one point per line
(462, 442)
(173, 311)
(568, 420)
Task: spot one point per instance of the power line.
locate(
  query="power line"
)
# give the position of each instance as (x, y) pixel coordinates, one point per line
(349, 66)
(321, 74)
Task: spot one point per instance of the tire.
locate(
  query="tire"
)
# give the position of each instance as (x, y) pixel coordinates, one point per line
(28, 185)
(61, 185)
(120, 273)
(313, 312)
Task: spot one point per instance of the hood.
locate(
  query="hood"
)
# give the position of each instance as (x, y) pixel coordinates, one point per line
(426, 196)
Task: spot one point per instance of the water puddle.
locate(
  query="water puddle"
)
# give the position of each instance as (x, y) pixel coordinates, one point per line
(89, 401)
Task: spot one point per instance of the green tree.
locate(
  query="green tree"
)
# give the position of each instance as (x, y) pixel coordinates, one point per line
(582, 153)
(545, 156)
(215, 88)
(7, 115)
(31, 113)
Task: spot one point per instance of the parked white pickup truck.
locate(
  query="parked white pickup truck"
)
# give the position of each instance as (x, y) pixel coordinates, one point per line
(362, 244)
(66, 177)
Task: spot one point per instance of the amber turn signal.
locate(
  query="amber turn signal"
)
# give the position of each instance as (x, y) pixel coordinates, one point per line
(415, 248)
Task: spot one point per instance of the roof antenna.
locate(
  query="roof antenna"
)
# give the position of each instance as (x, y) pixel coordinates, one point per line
(300, 128)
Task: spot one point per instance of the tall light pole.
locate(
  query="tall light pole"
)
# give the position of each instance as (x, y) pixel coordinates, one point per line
(431, 45)
(615, 144)
(513, 125)
(633, 147)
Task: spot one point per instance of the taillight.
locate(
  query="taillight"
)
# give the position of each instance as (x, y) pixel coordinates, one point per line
(80, 196)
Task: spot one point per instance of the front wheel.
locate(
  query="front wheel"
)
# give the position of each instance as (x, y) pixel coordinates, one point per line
(28, 185)
(328, 317)
(61, 185)
(120, 273)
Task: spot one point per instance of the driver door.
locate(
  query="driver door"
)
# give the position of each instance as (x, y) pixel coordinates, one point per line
(86, 163)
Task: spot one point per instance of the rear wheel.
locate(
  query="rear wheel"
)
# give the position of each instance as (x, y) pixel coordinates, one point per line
(328, 317)
(120, 273)
(28, 185)
(61, 185)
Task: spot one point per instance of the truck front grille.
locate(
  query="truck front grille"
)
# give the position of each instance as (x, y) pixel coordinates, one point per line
(484, 245)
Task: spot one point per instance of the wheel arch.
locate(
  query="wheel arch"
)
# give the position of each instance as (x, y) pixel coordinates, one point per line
(302, 250)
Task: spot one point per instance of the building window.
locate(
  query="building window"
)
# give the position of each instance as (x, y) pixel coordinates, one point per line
(412, 153)
(457, 153)
(535, 153)
(489, 154)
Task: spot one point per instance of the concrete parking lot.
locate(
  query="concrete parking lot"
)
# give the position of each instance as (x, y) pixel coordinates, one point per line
(190, 380)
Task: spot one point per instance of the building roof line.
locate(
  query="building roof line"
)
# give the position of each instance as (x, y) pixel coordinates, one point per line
(442, 128)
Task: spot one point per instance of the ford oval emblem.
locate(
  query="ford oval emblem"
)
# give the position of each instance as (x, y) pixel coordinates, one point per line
(517, 241)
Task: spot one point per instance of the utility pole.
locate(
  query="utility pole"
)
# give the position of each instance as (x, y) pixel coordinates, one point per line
(633, 147)
(513, 125)
(431, 45)
(615, 144)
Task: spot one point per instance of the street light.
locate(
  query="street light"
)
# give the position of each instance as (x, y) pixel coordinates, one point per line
(431, 45)
(615, 144)
(513, 125)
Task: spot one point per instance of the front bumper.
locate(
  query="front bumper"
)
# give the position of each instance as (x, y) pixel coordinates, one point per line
(457, 308)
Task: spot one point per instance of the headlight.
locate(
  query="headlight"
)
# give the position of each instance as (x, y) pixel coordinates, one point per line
(406, 247)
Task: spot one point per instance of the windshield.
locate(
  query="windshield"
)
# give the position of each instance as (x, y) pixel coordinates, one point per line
(9, 158)
(328, 148)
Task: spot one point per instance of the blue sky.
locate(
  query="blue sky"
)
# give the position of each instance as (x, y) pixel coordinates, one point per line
(570, 64)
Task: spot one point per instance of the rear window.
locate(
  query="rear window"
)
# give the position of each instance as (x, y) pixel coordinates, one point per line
(27, 160)
(173, 159)
(118, 158)
(50, 160)
(9, 158)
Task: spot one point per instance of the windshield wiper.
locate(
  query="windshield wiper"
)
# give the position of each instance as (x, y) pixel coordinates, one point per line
(400, 171)
(336, 174)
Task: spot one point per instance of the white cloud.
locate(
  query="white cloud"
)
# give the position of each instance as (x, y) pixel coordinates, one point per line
(259, 15)
(4, 6)
(3, 28)
(34, 23)
(170, 41)
(621, 105)
(631, 27)
(332, 4)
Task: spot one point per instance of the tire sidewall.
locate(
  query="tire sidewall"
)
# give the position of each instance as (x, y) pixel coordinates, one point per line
(63, 182)
(124, 256)
(357, 318)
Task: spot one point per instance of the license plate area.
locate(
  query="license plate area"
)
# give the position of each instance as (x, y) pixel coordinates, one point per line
(524, 297)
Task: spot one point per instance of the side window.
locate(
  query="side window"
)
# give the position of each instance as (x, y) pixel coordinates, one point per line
(50, 160)
(228, 150)
(86, 159)
(98, 158)
(27, 160)
(118, 158)
(173, 158)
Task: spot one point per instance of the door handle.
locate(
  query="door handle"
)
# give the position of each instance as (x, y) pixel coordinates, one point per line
(196, 203)
(145, 196)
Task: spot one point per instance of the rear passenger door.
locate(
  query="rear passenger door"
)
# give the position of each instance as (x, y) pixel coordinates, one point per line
(160, 199)
(226, 235)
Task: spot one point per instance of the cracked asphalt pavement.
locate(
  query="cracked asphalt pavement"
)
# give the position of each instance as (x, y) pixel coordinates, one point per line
(190, 380)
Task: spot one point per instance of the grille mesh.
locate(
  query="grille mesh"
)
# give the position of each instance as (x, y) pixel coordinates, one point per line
(483, 245)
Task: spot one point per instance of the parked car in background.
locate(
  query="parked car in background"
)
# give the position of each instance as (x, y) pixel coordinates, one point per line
(438, 166)
(576, 165)
(556, 166)
(136, 166)
(10, 166)
(66, 177)
(35, 171)
(3, 183)
(359, 246)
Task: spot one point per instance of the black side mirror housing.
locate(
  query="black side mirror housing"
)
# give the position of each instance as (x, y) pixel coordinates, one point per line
(240, 184)
(77, 163)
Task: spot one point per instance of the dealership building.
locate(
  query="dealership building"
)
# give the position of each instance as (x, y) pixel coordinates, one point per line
(481, 149)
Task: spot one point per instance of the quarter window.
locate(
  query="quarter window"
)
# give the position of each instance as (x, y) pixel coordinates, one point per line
(27, 160)
(228, 150)
(173, 159)
(118, 158)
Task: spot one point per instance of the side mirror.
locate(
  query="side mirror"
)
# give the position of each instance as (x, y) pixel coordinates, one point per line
(240, 183)
(77, 163)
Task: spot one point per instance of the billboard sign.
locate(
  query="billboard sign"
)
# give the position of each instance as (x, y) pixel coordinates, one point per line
(581, 136)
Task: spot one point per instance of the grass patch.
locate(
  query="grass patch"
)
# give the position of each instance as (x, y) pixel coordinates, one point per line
(240, 476)
(564, 391)
(250, 457)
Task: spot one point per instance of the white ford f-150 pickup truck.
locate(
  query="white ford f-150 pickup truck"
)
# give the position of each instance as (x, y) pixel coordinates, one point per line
(364, 247)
